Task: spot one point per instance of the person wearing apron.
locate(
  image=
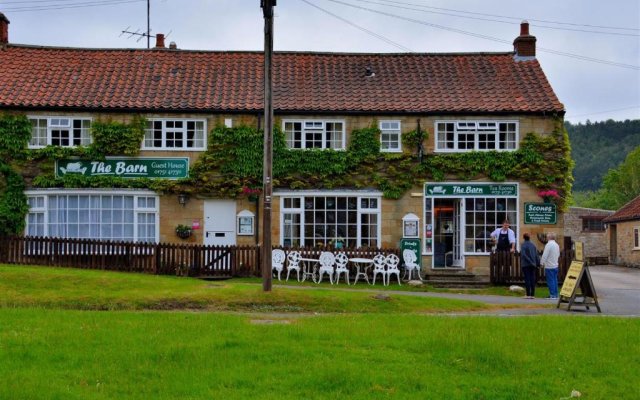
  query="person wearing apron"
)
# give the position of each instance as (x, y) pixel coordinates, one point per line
(505, 238)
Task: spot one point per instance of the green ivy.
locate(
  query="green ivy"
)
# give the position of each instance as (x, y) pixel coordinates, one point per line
(116, 138)
(15, 133)
(234, 160)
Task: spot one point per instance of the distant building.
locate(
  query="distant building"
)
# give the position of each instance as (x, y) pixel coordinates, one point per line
(624, 234)
(587, 225)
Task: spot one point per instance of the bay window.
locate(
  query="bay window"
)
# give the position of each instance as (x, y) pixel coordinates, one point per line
(102, 215)
(321, 220)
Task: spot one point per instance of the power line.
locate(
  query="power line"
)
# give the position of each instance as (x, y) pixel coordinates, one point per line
(603, 112)
(514, 18)
(70, 5)
(481, 36)
(346, 21)
(489, 19)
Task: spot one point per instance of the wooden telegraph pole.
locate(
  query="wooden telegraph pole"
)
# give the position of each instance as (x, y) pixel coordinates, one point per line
(267, 11)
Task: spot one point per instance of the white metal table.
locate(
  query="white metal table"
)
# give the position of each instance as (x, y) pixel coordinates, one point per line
(309, 268)
(362, 265)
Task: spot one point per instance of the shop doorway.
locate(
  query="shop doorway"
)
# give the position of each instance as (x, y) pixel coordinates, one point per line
(447, 237)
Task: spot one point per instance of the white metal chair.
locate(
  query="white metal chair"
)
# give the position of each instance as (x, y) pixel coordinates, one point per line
(326, 260)
(410, 264)
(379, 267)
(341, 267)
(293, 263)
(277, 261)
(392, 262)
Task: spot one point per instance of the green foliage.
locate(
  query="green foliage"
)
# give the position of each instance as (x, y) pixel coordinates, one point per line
(15, 133)
(620, 186)
(116, 138)
(415, 139)
(13, 202)
(598, 147)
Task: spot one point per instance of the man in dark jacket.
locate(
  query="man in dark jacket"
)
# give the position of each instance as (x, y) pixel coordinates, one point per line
(529, 261)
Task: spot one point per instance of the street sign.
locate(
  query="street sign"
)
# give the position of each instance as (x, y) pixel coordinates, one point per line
(124, 167)
(540, 213)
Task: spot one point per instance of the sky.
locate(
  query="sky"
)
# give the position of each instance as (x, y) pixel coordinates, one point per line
(589, 49)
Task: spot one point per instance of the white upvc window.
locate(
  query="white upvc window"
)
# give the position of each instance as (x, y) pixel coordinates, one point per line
(175, 134)
(461, 136)
(636, 238)
(314, 134)
(59, 131)
(98, 214)
(323, 218)
(390, 136)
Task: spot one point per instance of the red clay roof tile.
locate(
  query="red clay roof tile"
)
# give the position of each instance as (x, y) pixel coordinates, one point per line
(174, 80)
(628, 212)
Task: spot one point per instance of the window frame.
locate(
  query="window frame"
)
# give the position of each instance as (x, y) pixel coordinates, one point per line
(462, 134)
(397, 149)
(636, 238)
(304, 131)
(137, 209)
(360, 211)
(150, 128)
(588, 220)
(84, 141)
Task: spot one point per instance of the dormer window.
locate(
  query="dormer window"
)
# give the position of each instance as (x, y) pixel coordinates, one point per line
(59, 131)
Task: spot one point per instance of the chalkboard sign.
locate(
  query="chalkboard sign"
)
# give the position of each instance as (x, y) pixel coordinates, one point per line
(578, 283)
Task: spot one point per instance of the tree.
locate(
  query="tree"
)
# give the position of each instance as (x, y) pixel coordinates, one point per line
(620, 185)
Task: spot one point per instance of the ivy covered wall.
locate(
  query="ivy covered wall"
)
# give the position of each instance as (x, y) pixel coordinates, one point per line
(233, 161)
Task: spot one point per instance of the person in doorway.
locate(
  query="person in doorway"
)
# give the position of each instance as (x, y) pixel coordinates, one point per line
(549, 260)
(505, 238)
(529, 262)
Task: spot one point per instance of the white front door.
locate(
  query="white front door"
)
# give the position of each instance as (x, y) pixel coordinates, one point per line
(220, 222)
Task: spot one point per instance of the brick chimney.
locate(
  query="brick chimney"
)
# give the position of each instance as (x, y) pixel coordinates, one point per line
(4, 30)
(159, 41)
(525, 45)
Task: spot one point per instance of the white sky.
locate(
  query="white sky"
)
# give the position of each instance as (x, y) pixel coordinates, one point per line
(589, 90)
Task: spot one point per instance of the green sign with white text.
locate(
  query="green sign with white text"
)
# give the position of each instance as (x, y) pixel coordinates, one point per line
(540, 213)
(470, 189)
(123, 167)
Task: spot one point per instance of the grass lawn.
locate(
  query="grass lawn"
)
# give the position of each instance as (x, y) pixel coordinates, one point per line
(55, 343)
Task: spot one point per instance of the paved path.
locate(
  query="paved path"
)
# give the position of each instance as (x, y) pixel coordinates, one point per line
(617, 288)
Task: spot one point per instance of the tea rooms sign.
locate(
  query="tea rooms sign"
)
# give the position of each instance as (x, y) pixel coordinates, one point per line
(470, 189)
(122, 167)
(540, 213)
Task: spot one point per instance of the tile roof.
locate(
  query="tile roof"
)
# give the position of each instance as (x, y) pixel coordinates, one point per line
(628, 212)
(173, 80)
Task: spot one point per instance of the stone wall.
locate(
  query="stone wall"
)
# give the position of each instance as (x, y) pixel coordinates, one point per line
(596, 243)
(626, 254)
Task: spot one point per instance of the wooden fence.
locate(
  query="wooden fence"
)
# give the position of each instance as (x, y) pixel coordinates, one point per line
(152, 258)
(505, 267)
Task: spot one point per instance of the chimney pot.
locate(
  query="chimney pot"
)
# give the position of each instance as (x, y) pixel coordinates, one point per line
(173, 45)
(4, 30)
(525, 45)
(160, 41)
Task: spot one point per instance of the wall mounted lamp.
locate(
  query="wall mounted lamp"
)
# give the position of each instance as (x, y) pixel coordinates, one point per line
(182, 199)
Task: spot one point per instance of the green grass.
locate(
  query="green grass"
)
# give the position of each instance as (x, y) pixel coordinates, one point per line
(67, 288)
(78, 334)
(53, 354)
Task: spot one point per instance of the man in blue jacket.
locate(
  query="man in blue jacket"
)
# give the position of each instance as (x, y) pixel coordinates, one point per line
(529, 262)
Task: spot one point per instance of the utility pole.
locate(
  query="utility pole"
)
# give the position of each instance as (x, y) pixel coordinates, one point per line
(267, 11)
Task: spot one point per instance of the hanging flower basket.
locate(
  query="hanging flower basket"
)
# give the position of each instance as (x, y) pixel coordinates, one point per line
(549, 196)
(183, 231)
(253, 194)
